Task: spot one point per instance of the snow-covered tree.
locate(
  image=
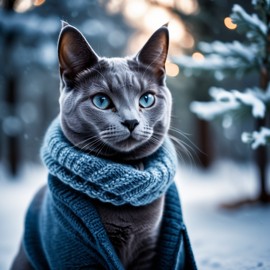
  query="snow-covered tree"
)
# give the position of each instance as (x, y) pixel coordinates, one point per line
(241, 59)
(29, 73)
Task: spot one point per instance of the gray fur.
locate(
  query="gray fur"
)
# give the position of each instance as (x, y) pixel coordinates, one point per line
(124, 80)
(133, 230)
(109, 133)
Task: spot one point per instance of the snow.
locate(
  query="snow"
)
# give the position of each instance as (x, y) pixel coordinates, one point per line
(257, 138)
(250, 99)
(228, 59)
(15, 196)
(248, 23)
(221, 239)
(210, 110)
(230, 49)
(225, 239)
(226, 101)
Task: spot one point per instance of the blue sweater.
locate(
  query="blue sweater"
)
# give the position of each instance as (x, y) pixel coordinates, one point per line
(64, 230)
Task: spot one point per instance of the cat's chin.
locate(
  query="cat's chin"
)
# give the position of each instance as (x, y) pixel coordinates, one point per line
(127, 145)
(126, 151)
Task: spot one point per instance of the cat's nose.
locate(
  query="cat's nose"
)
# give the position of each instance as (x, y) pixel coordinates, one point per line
(130, 124)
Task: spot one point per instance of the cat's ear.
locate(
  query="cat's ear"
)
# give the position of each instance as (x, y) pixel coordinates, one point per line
(154, 52)
(74, 52)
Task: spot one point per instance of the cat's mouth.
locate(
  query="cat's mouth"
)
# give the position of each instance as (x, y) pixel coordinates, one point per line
(126, 143)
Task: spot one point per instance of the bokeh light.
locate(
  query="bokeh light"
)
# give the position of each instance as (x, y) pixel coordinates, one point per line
(148, 16)
(229, 24)
(172, 69)
(197, 56)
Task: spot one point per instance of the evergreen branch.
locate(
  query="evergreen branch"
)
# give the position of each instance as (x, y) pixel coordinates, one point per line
(251, 25)
(227, 101)
(234, 49)
(211, 110)
(223, 58)
(217, 65)
(263, 8)
(257, 138)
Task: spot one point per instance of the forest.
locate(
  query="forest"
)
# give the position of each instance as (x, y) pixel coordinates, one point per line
(218, 72)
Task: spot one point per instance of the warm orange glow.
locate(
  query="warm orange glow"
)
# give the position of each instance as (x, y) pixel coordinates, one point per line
(197, 56)
(188, 6)
(23, 6)
(176, 29)
(167, 3)
(38, 2)
(229, 24)
(147, 17)
(156, 17)
(135, 10)
(172, 69)
(188, 41)
(114, 6)
(136, 42)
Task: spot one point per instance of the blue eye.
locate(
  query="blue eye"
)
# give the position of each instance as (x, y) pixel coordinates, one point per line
(102, 101)
(147, 100)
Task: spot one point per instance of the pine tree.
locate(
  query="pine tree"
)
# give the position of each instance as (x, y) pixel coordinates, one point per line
(241, 59)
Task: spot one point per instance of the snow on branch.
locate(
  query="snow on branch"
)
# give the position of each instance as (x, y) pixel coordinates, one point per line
(228, 101)
(212, 109)
(228, 59)
(261, 4)
(249, 99)
(257, 138)
(254, 28)
(263, 7)
(234, 49)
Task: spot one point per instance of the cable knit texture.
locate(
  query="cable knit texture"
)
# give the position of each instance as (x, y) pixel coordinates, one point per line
(104, 179)
(63, 229)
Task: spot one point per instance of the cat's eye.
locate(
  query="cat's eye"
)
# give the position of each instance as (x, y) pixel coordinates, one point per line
(102, 102)
(147, 100)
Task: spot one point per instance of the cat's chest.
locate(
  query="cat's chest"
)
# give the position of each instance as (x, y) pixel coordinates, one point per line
(132, 228)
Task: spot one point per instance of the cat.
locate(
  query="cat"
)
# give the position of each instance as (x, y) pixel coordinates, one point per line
(118, 109)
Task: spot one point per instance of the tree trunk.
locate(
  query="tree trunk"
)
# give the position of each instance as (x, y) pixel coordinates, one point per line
(261, 151)
(205, 153)
(12, 140)
(261, 161)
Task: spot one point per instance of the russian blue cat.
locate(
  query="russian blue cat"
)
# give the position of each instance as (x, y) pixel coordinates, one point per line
(110, 164)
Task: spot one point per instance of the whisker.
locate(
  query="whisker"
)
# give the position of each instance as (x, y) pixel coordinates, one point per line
(185, 135)
(182, 149)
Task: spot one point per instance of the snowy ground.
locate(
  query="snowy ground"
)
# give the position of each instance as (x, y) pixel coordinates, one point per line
(221, 239)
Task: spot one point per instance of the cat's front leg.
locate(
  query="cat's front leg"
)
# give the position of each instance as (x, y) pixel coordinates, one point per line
(145, 259)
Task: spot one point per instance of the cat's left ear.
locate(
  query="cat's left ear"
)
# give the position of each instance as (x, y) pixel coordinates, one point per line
(74, 53)
(154, 52)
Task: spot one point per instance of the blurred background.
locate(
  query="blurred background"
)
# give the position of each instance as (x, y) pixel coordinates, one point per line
(29, 78)
(29, 90)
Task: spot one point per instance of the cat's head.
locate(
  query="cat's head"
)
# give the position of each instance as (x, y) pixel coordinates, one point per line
(114, 107)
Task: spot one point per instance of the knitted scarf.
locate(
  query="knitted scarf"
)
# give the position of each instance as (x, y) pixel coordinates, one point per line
(104, 179)
(63, 229)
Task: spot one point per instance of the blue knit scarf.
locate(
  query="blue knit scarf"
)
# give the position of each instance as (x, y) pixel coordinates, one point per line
(104, 179)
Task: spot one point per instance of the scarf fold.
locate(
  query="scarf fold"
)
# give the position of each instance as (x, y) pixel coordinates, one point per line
(104, 179)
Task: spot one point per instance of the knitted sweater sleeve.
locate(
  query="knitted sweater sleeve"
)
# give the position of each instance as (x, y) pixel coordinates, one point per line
(65, 232)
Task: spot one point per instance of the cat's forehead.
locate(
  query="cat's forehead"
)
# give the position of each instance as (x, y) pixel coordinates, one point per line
(116, 75)
(122, 75)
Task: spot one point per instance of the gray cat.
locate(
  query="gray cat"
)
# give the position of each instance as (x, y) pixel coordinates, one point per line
(118, 109)
(129, 106)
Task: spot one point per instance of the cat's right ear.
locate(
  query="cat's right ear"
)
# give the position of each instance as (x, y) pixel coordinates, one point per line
(74, 53)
